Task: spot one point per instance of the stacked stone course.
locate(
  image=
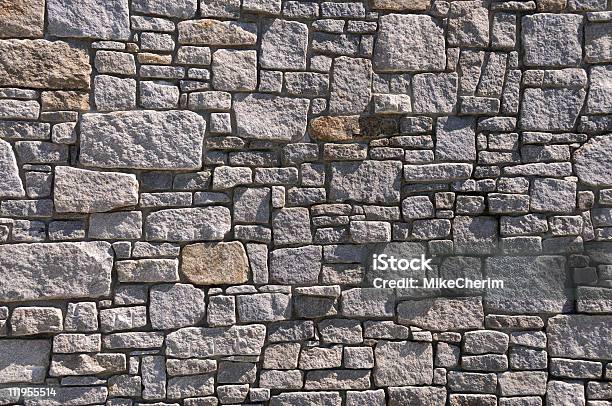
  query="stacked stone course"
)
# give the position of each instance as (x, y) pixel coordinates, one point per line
(191, 192)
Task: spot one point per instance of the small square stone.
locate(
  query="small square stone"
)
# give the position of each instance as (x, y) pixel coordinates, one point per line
(234, 70)
(358, 357)
(112, 93)
(220, 123)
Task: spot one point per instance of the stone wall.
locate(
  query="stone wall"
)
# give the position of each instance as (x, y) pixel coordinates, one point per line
(191, 195)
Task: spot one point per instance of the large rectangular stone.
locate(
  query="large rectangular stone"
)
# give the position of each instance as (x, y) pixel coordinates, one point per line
(580, 336)
(20, 18)
(89, 19)
(223, 341)
(24, 360)
(214, 32)
(531, 285)
(165, 140)
(26, 63)
(55, 271)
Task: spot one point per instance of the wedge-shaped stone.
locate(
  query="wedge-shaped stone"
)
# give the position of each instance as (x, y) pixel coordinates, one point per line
(442, 314)
(11, 185)
(206, 342)
(20, 18)
(143, 140)
(580, 336)
(415, 368)
(200, 223)
(83, 191)
(376, 182)
(27, 63)
(223, 263)
(592, 162)
(89, 19)
(268, 117)
(87, 364)
(218, 33)
(437, 172)
(24, 360)
(409, 43)
(55, 271)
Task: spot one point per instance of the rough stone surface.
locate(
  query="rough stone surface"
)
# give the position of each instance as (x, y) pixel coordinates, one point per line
(204, 223)
(12, 185)
(174, 306)
(214, 32)
(532, 284)
(409, 43)
(84, 191)
(442, 314)
(284, 45)
(173, 139)
(28, 63)
(23, 266)
(350, 88)
(561, 49)
(234, 70)
(89, 19)
(372, 173)
(268, 117)
(551, 109)
(367, 182)
(215, 263)
(22, 19)
(24, 361)
(166, 8)
(415, 368)
(204, 342)
(580, 336)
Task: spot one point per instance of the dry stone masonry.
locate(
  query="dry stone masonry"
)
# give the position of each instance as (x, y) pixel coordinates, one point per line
(192, 193)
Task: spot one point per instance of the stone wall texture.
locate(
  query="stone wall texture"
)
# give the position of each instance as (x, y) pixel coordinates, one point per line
(192, 192)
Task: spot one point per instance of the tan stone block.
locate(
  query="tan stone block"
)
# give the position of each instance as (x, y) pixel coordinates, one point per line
(223, 263)
(42, 64)
(65, 101)
(338, 128)
(22, 18)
